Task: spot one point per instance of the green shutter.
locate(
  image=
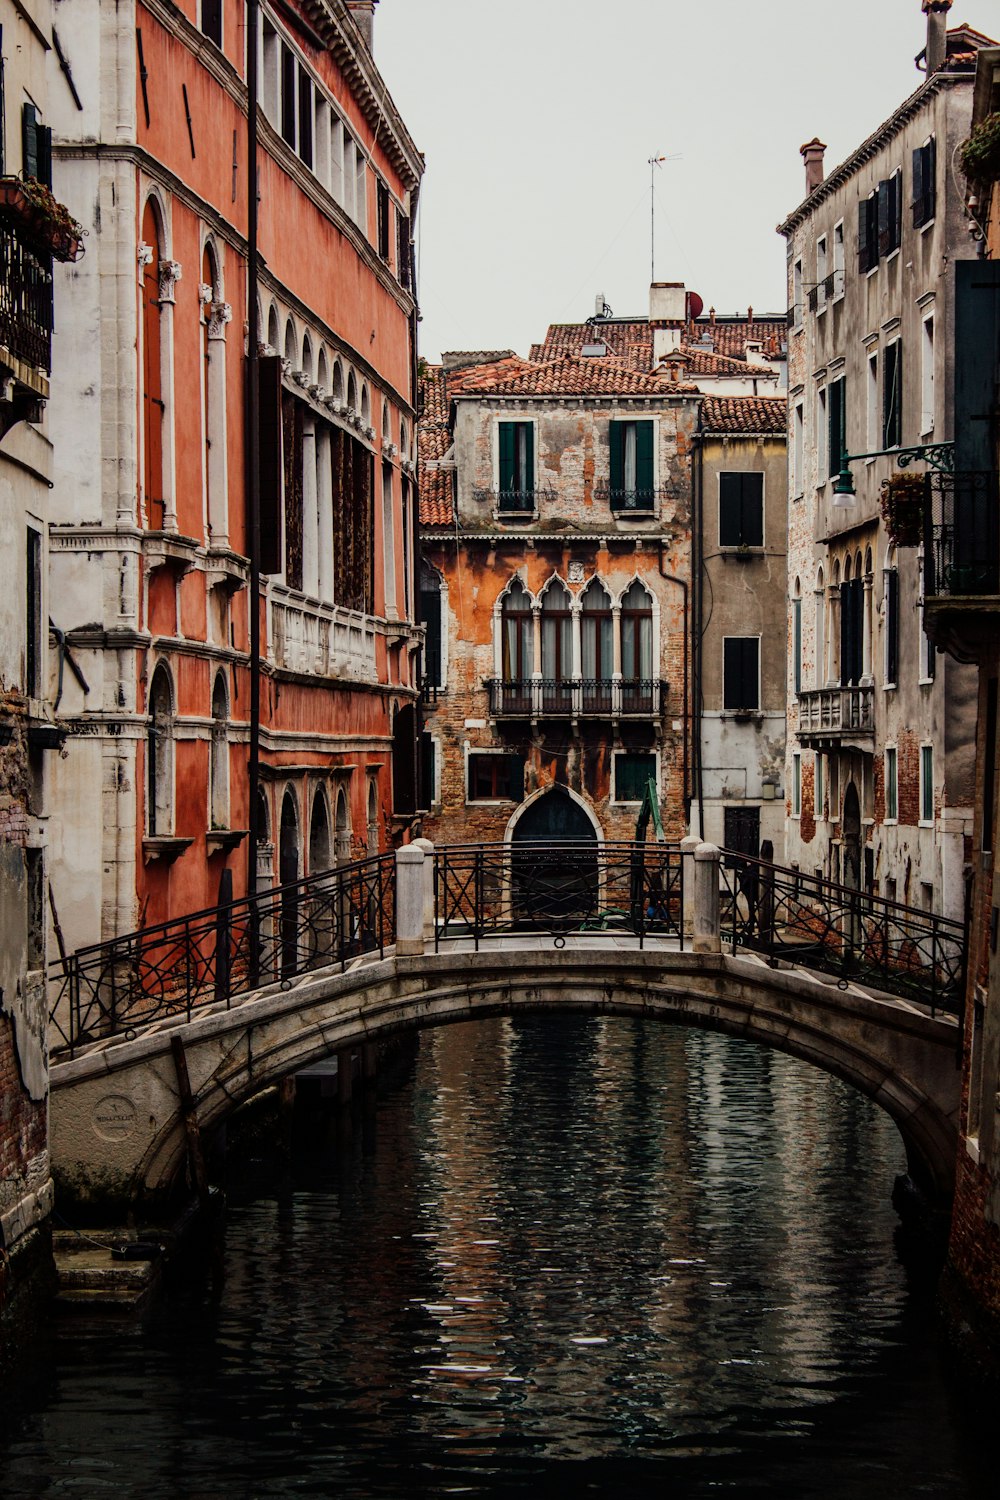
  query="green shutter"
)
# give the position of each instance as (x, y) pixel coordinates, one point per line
(508, 456)
(644, 458)
(977, 351)
(29, 140)
(529, 458)
(730, 510)
(617, 456)
(752, 510)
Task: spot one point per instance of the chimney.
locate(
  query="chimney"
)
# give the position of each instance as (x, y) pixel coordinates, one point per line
(812, 155)
(667, 317)
(363, 16)
(936, 12)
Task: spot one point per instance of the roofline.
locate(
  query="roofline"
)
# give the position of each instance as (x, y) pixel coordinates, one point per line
(886, 132)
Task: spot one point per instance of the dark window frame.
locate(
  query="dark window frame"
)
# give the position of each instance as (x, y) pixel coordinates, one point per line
(924, 183)
(211, 21)
(892, 394)
(492, 775)
(741, 665)
(649, 773)
(741, 509)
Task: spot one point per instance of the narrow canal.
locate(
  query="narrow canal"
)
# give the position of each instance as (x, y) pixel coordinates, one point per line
(571, 1257)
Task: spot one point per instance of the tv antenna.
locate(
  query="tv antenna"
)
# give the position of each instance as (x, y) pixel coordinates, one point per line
(654, 162)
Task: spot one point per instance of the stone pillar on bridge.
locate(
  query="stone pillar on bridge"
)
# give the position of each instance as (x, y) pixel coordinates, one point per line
(706, 917)
(409, 901)
(428, 848)
(688, 845)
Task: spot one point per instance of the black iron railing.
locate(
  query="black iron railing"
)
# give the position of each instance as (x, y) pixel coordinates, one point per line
(486, 890)
(631, 499)
(512, 502)
(206, 958)
(25, 301)
(962, 534)
(785, 914)
(569, 697)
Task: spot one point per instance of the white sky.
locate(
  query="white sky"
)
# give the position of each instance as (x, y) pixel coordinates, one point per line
(538, 117)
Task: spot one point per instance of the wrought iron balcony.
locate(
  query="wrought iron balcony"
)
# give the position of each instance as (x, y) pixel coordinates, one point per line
(575, 698)
(522, 503)
(837, 715)
(25, 301)
(961, 528)
(640, 502)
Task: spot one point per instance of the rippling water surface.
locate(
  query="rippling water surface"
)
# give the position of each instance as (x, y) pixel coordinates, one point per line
(572, 1257)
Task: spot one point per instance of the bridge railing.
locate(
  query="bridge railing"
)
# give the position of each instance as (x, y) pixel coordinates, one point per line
(785, 914)
(487, 890)
(176, 967)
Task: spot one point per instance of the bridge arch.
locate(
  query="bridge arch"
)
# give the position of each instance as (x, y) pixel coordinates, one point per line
(899, 1058)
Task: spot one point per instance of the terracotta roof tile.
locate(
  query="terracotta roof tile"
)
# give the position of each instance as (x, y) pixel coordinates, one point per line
(749, 414)
(433, 442)
(630, 340)
(569, 376)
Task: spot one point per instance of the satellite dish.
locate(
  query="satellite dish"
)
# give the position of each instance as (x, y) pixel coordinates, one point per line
(695, 306)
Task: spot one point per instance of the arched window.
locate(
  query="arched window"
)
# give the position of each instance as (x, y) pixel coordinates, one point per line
(597, 643)
(273, 334)
(307, 358)
(797, 636)
(517, 647)
(637, 649)
(160, 755)
(291, 346)
(322, 372)
(288, 874)
(219, 766)
(819, 649)
(404, 438)
(890, 606)
(153, 406)
(366, 407)
(352, 393)
(319, 835)
(372, 818)
(338, 383)
(386, 423)
(557, 648)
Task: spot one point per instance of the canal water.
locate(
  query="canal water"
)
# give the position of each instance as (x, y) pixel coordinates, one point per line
(568, 1257)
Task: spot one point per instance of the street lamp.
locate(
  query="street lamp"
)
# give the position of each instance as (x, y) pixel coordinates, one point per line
(938, 456)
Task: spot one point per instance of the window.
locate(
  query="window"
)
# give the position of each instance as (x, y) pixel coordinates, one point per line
(557, 647)
(741, 510)
(305, 117)
(822, 258)
(928, 650)
(819, 627)
(927, 376)
(3, 111)
(822, 437)
(924, 187)
(428, 783)
(632, 466)
(160, 755)
(891, 785)
(288, 95)
(596, 640)
(890, 214)
(868, 233)
(851, 631)
(740, 673)
(496, 778)
(431, 609)
(517, 466)
(360, 190)
(798, 485)
(33, 616)
(819, 767)
(389, 543)
(517, 644)
(36, 146)
(741, 830)
(34, 869)
(838, 261)
(211, 20)
(637, 641)
(837, 437)
(892, 395)
(796, 784)
(382, 205)
(797, 294)
(219, 765)
(926, 785)
(633, 772)
(872, 430)
(891, 626)
(403, 250)
(797, 640)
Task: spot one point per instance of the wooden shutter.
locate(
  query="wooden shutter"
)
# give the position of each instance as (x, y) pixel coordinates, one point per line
(644, 458)
(382, 205)
(892, 396)
(863, 264)
(740, 685)
(403, 250)
(426, 771)
(269, 461)
(404, 761)
(837, 421)
(287, 95)
(615, 437)
(305, 117)
(891, 626)
(884, 211)
(752, 500)
(977, 363)
(730, 510)
(797, 644)
(508, 456)
(512, 778)
(29, 140)
(526, 480)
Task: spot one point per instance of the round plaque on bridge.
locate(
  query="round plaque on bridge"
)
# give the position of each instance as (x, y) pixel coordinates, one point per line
(114, 1118)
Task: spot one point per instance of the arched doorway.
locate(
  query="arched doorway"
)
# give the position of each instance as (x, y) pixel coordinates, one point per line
(851, 876)
(319, 835)
(288, 873)
(554, 860)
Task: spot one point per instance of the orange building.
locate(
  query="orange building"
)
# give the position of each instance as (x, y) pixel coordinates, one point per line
(149, 543)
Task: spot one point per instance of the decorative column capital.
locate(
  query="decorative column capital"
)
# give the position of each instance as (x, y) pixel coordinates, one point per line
(144, 254)
(170, 273)
(219, 314)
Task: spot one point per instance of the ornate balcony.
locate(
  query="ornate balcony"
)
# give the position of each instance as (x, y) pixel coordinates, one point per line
(25, 327)
(962, 561)
(575, 698)
(838, 716)
(321, 640)
(630, 502)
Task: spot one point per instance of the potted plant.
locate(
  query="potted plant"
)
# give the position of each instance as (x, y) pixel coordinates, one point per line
(981, 152)
(902, 505)
(49, 223)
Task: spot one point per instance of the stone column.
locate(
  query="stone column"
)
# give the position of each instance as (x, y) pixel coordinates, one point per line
(429, 913)
(867, 672)
(688, 845)
(707, 923)
(310, 518)
(324, 487)
(218, 315)
(409, 901)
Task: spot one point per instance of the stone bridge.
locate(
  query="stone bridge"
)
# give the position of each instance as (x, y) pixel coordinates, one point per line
(119, 1133)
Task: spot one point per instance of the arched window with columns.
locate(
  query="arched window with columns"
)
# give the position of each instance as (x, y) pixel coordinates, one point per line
(219, 763)
(819, 632)
(557, 647)
(517, 648)
(160, 755)
(637, 648)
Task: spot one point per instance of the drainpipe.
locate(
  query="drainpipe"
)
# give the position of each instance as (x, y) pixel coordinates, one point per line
(682, 584)
(696, 626)
(253, 448)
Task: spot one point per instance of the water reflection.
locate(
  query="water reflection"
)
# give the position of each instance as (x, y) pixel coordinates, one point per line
(582, 1256)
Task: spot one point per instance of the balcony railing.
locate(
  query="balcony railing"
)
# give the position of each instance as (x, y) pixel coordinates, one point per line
(576, 698)
(512, 502)
(641, 502)
(321, 640)
(962, 534)
(25, 301)
(837, 711)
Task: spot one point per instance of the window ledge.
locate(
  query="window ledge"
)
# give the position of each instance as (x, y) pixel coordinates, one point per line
(741, 715)
(224, 839)
(742, 554)
(155, 846)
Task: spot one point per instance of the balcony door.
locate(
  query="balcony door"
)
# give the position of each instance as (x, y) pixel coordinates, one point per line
(597, 643)
(637, 650)
(517, 649)
(557, 649)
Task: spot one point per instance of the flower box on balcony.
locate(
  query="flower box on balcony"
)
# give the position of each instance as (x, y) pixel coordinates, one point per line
(902, 506)
(980, 154)
(42, 218)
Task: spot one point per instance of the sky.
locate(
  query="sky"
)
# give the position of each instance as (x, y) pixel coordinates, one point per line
(537, 119)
